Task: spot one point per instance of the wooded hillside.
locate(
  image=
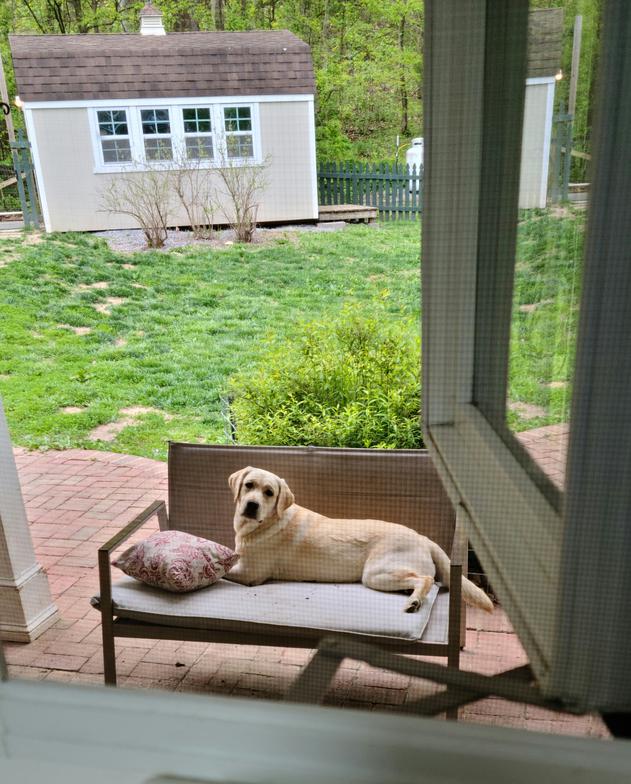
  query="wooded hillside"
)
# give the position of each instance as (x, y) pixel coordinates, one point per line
(368, 54)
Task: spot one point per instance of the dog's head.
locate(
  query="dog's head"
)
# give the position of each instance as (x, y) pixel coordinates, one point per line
(260, 496)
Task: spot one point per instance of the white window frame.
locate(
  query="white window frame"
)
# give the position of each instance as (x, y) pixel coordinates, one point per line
(212, 134)
(100, 163)
(150, 136)
(65, 734)
(553, 591)
(236, 160)
(177, 135)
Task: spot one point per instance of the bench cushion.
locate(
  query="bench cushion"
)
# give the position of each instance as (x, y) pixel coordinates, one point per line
(293, 608)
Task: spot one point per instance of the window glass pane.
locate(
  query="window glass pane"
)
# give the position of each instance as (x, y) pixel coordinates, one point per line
(155, 121)
(116, 150)
(199, 147)
(112, 123)
(197, 121)
(240, 146)
(238, 118)
(158, 149)
(549, 259)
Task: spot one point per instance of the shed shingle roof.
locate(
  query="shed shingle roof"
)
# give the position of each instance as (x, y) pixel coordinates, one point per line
(96, 66)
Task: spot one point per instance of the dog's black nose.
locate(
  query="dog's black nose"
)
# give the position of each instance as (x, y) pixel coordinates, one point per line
(251, 508)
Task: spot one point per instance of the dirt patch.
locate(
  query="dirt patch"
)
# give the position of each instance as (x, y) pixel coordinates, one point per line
(556, 384)
(139, 286)
(120, 342)
(527, 410)
(30, 238)
(8, 257)
(76, 330)
(127, 418)
(73, 409)
(106, 307)
(532, 307)
(99, 285)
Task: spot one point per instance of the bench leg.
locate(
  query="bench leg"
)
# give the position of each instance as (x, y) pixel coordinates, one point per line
(453, 660)
(109, 653)
(454, 633)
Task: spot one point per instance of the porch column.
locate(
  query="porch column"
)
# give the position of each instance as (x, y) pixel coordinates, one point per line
(26, 605)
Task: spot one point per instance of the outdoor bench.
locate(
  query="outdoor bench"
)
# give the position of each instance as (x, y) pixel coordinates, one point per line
(396, 485)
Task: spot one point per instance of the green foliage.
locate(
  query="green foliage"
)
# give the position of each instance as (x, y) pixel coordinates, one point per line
(332, 142)
(351, 382)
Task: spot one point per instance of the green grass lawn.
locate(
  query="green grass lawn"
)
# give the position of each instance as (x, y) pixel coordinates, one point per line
(184, 322)
(189, 320)
(545, 312)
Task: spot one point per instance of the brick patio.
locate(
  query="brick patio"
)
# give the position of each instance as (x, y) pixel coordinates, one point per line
(77, 499)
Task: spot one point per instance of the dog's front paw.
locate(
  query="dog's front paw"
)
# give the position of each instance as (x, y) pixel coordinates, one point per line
(413, 606)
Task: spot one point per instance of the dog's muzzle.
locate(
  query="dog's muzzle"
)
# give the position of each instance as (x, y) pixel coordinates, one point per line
(251, 509)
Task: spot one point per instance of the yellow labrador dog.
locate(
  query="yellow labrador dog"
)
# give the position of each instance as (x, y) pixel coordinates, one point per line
(279, 540)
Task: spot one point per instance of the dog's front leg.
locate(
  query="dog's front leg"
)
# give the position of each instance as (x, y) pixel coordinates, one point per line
(246, 574)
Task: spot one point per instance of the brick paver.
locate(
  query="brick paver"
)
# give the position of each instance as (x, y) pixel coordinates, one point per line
(548, 447)
(77, 499)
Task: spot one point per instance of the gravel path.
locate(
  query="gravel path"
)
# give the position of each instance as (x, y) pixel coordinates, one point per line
(133, 240)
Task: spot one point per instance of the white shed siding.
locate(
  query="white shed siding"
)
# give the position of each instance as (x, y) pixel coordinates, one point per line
(535, 153)
(65, 161)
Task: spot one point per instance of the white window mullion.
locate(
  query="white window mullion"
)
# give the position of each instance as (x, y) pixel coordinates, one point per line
(220, 134)
(137, 145)
(177, 133)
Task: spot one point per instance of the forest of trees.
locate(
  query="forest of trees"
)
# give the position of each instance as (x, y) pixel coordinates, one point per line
(368, 55)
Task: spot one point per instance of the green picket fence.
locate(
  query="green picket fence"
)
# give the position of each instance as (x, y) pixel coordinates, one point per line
(395, 190)
(25, 178)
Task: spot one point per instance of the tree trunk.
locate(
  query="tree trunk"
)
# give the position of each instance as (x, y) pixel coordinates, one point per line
(403, 85)
(218, 14)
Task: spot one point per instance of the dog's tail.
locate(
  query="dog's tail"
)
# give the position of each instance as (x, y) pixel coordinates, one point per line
(470, 593)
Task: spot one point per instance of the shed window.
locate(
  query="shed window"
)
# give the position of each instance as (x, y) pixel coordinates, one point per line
(156, 130)
(114, 135)
(238, 129)
(198, 137)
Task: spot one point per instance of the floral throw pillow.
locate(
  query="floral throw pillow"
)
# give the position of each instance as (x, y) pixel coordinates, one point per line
(177, 561)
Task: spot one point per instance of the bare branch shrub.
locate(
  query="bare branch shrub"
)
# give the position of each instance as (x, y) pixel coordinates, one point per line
(146, 196)
(191, 183)
(240, 196)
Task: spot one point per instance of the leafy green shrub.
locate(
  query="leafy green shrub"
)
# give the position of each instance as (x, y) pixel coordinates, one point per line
(352, 382)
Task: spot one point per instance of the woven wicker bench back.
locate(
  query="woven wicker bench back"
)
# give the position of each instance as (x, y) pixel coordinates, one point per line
(400, 486)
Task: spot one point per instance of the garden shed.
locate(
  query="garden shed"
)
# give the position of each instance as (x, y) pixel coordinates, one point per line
(99, 105)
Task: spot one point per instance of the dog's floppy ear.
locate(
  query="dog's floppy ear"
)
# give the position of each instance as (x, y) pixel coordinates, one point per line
(285, 497)
(236, 480)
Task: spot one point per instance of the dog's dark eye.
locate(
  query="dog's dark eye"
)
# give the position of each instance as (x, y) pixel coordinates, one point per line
(249, 485)
(269, 492)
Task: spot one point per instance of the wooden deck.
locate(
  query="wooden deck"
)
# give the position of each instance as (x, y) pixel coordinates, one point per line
(347, 212)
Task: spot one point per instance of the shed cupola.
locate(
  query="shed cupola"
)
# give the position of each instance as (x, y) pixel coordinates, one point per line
(151, 21)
